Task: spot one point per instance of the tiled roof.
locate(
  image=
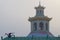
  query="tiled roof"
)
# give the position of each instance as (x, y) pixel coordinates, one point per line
(40, 34)
(32, 38)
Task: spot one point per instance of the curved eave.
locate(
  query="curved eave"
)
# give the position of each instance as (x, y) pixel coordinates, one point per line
(40, 7)
(39, 18)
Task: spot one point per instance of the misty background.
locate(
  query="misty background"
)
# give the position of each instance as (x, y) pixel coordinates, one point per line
(14, 15)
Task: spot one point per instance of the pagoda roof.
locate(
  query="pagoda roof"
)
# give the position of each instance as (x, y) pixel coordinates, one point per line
(39, 18)
(40, 34)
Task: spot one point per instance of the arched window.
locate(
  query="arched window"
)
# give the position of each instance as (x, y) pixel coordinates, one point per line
(40, 11)
(35, 26)
(46, 26)
(41, 25)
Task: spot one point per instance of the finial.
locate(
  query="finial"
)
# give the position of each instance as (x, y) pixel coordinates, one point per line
(39, 3)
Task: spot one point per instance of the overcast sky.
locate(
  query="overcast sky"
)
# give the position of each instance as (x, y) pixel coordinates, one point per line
(14, 15)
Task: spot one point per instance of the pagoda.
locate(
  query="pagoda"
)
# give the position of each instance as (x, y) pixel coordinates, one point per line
(40, 23)
(39, 28)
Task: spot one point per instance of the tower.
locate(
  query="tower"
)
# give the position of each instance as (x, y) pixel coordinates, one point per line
(39, 23)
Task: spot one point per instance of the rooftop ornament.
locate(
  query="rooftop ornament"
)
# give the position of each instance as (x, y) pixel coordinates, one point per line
(10, 35)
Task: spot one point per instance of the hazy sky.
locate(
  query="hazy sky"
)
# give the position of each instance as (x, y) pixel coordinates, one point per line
(14, 15)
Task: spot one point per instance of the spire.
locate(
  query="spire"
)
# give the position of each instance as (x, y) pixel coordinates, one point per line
(39, 6)
(39, 3)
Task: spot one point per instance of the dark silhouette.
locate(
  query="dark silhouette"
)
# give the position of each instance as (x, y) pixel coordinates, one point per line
(9, 34)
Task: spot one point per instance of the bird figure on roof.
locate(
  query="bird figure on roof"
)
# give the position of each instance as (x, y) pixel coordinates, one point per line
(9, 34)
